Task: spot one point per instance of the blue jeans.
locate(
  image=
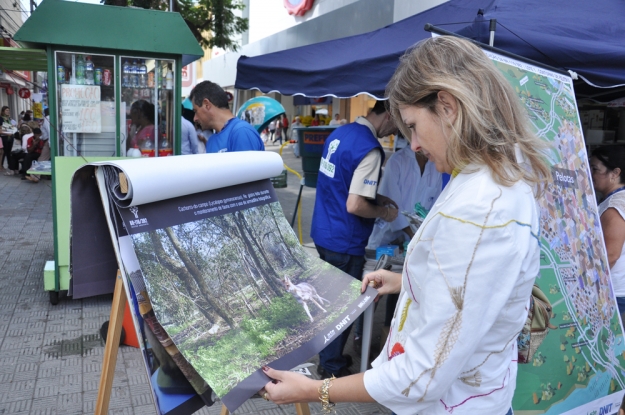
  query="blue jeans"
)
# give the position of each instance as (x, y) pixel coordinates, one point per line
(331, 358)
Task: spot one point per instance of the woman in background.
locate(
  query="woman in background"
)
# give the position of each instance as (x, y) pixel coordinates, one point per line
(6, 123)
(607, 166)
(142, 117)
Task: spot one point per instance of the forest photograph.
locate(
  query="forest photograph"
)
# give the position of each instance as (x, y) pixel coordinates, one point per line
(236, 292)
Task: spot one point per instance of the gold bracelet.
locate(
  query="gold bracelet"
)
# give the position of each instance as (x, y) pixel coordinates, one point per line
(324, 396)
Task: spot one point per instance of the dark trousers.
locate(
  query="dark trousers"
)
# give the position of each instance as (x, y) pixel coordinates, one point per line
(28, 161)
(14, 160)
(331, 358)
(7, 143)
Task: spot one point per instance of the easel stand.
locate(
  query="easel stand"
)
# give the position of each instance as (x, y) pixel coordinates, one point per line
(112, 346)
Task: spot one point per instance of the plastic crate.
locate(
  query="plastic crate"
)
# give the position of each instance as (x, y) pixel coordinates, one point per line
(279, 182)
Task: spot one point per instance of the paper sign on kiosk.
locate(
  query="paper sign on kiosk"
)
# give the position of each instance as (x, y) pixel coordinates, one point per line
(80, 108)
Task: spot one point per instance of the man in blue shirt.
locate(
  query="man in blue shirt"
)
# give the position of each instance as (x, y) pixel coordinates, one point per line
(210, 104)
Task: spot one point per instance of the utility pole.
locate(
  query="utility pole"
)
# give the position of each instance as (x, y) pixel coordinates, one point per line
(33, 6)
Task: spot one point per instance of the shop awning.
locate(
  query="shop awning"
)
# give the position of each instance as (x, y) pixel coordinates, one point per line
(17, 59)
(352, 65)
(579, 35)
(67, 23)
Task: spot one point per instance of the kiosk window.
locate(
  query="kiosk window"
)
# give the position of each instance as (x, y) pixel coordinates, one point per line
(147, 110)
(86, 104)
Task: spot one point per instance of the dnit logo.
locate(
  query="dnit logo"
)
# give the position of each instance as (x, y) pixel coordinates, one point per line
(605, 410)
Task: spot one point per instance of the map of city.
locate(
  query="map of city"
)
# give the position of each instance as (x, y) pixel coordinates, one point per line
(582, 359)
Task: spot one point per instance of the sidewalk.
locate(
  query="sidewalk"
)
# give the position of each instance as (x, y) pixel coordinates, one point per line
(51, 356)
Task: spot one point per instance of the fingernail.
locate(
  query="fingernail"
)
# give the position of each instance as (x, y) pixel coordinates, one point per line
(265, 368)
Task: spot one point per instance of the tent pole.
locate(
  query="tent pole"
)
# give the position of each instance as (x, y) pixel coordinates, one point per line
(235, 101)
(493, 25)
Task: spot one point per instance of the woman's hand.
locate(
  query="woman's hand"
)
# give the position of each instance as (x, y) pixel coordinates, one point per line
(386, 282)
(289, 387)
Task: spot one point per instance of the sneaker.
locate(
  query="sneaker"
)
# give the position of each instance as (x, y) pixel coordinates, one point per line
(323, 374)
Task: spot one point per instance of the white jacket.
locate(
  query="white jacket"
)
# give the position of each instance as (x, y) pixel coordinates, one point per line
(467, 280)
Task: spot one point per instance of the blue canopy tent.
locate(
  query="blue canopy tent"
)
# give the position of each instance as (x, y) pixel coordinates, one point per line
(352, 65)
(577, 35)
(585, 37)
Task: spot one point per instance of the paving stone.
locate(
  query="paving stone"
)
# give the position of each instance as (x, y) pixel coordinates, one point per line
(51, 356)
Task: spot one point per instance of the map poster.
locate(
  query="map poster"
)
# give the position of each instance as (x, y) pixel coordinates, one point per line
(226, 288)
(579, 367)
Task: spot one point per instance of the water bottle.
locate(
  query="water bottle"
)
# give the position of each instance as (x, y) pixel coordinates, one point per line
(80, 71)
(134, 76)
(164, 147)
(143, 74)
(126, 74)
(147, 149)
(89, 79)
(169, 80)
(133, 152)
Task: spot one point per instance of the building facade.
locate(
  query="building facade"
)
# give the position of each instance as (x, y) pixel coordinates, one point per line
(273, 29)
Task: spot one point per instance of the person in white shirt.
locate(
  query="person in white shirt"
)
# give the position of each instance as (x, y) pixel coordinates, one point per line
(452, 345)
(408, 178)
(335, 121)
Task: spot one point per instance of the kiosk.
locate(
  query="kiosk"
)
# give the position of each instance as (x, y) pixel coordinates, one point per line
(114, 77)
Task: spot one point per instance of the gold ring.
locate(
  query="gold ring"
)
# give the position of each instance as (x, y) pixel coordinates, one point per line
(266, 396)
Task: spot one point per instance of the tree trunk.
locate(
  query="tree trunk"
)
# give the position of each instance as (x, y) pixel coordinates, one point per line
(198, 277)
(183, 275)
(272, 276)
(250, 275)
(284, 240)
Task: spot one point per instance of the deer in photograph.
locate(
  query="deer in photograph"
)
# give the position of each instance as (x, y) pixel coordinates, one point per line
(304, 292)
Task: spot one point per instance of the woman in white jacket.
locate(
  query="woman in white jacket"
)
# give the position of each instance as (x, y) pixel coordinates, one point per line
(470, 267)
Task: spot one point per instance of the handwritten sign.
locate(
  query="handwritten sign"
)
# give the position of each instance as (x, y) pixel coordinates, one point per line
(80, 108)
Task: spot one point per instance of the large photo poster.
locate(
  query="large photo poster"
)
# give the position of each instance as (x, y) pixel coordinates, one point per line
(579, 367)
(230, 289)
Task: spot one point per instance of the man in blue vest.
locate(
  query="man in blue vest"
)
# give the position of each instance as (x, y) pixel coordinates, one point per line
(212, 112)
(346, 207)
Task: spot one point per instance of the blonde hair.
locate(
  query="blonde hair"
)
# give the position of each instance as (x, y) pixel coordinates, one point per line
(490, 118)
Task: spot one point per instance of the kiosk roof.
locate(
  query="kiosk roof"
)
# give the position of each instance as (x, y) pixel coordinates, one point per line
(66, 23)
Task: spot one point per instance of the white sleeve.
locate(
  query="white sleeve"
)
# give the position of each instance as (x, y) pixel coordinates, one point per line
(390, 186)
(365, 178)
(457, 307)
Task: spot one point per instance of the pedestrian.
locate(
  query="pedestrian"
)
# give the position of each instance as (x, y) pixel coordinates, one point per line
(284, 121)
(210, 103)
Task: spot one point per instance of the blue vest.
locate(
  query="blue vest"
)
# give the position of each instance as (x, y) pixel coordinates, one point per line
(333, 227)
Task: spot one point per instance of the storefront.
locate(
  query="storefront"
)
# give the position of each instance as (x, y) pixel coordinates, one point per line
(114, 85)
(17, 66)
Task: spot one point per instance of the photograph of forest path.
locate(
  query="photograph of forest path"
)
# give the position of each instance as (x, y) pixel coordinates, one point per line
(237, 291)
